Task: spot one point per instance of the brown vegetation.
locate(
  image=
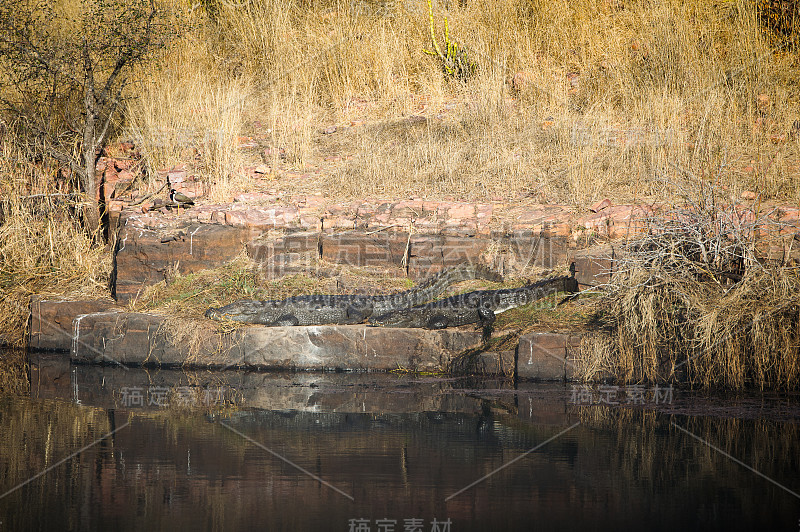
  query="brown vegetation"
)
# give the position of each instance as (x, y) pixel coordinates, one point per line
(695, 300)
(44, 249)
(571, 101)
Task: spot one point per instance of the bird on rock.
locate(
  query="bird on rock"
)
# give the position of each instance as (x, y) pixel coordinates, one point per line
(180, 199)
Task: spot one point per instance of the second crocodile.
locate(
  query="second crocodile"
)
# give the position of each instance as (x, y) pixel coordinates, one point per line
(344, 309)
(479, 306)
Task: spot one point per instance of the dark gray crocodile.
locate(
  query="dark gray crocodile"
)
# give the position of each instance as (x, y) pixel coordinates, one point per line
(479, 306)
(344, 309)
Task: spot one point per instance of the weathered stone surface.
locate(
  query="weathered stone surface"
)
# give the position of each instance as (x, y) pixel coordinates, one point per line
(617, 221)
(432, 253)
(600, 205)
(595, 266)
(541, 249)
(146, 256)
(355, 248)
(135, 338)
(52, 321)
(543, 356)
(354, 347)
(285, 254)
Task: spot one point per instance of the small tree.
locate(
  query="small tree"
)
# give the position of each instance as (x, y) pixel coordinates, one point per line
(63, 69)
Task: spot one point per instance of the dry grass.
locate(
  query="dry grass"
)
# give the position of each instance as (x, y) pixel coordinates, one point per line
(43, 247)
(191, 294)
(608, 94)
(695, 301)
(191, 115)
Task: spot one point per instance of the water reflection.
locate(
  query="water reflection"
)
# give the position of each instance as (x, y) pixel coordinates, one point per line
(240, 450)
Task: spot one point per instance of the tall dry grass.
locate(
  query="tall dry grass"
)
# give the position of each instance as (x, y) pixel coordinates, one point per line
(188, 111)
(43, 247)
(604, 95)
(695, 301)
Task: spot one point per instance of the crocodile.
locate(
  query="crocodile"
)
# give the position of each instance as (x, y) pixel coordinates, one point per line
(344, 309)
(479, 306)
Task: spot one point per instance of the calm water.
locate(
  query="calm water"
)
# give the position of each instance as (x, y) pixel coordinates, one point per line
(169, 450)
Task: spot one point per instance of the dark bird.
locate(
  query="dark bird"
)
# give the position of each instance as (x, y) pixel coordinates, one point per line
(180, 199)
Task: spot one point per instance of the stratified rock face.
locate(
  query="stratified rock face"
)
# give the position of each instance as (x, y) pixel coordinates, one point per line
(354, 347)
(146, 256)
(143, 339)
(357, 248)
(147, 252)
(96, 332)
(595, 266)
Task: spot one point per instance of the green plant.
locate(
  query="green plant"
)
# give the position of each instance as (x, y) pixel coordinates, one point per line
(455, 61)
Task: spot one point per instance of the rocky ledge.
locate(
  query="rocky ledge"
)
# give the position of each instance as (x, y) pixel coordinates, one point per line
(113, 336)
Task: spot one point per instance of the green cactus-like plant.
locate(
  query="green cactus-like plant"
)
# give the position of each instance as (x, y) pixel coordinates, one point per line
(455, 61)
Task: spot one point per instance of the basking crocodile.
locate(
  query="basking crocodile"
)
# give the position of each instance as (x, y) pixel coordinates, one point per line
(480, 306)
(344, 309)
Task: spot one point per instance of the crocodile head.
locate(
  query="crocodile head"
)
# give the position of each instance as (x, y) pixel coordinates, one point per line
(243, 311)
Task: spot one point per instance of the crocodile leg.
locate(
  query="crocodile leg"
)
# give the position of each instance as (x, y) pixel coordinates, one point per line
(287, 320)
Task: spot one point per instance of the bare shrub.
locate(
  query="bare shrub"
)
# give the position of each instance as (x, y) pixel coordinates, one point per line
(699, 299)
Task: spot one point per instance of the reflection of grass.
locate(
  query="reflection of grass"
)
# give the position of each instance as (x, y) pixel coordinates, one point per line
(39, 433)
(13, 372)
(402, 370)
(768, 446)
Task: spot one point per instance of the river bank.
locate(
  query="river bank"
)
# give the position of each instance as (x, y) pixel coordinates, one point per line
(171, 263)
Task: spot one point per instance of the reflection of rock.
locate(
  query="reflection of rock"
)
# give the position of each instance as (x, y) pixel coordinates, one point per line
(53, 377)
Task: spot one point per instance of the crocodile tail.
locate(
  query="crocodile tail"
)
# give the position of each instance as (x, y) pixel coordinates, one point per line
(462, 272)
(484, 272)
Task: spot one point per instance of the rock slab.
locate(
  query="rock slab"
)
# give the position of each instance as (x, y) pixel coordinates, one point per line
(52, 321)
(145, 257)
(144, 339)
(546, 356)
